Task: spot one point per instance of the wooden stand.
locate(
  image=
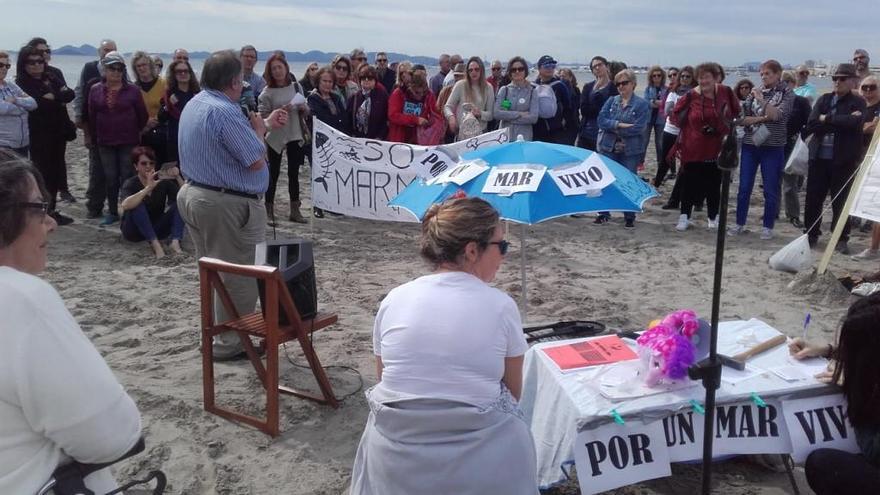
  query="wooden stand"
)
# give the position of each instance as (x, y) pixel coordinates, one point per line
(268, 329)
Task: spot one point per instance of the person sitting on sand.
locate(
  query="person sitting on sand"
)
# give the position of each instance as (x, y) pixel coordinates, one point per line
(59, 402)
(857, 371)
(146, 194)
(449, 353)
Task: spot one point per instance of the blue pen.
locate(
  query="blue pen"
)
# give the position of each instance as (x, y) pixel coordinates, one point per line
(806, 324)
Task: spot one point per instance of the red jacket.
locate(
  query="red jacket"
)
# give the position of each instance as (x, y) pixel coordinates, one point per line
(694, 144)
(402, 125)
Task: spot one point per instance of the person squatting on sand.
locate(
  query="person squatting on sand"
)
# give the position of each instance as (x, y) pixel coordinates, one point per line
(59, 402)
(223, 157)
(146, 195)
(453, 431)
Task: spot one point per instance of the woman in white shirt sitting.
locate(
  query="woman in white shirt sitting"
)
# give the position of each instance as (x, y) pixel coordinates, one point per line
(449, 352)
(58, 399)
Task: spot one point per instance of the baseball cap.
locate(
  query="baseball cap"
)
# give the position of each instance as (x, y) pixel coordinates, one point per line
(112, 58)
(546, 60)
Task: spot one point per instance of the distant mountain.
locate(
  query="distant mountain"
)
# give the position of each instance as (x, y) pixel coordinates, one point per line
(310, 56)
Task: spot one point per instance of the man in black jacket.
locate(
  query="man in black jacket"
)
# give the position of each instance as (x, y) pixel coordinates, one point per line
(835, 151)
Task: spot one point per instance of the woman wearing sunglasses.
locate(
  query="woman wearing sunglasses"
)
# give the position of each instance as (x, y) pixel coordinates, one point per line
(871, 93)
(344, 86)
(622, 123)
(467, 417)
(469, 108)
(368, 108)
(655, 93)
(59, 402)
(516, 106)
(48, 125)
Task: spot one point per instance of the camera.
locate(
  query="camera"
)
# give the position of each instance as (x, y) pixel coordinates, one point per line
(708, 130)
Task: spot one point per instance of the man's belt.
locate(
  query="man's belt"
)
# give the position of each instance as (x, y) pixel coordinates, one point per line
(224, 190)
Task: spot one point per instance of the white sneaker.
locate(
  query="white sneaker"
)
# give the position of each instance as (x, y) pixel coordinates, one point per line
(683, 223)
(713, 224)
(736, 230)
(766, 234)
(867, 254)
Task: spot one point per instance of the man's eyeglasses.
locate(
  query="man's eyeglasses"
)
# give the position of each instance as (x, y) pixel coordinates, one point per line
(859, 57)
(381, 60)
(672, 74)
(494, 69)
(839, 78)
(43, 206)
(869, 87)
(503, 246)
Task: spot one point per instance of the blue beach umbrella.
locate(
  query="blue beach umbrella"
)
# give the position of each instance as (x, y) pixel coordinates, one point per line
(627, 192)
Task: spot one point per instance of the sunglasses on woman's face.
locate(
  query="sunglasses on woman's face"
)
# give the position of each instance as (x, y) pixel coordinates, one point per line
(869, 87)
(503, 246)
(342, 67)
(621, 84)
(517, 69)
(5, 66)
(685, 76)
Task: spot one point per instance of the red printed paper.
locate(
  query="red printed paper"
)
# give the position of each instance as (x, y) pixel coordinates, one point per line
(602, 350)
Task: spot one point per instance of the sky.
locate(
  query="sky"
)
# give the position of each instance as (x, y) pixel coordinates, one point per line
(639, 32)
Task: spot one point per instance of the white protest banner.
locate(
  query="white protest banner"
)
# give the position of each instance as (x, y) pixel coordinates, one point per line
(818, 422)
(747, 428)
(461, 173)
(684, 435)
(867, 200)
(358, 177)
(615, 455)
(590, 175)
(510, 179)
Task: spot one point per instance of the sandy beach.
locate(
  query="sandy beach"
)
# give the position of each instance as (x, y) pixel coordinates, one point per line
(143, 316)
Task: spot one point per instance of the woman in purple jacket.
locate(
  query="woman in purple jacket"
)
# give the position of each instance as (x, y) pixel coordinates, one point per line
(117, 117)
(368, 108)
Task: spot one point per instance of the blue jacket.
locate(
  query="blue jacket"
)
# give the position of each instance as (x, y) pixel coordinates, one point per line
(637, 112)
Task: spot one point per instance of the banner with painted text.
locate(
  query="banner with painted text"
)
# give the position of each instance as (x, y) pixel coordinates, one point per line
(358, 177)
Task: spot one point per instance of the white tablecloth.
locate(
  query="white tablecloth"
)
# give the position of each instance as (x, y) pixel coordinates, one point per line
(559, 405)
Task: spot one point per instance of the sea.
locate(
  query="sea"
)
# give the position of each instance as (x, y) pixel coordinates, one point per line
(71, 66)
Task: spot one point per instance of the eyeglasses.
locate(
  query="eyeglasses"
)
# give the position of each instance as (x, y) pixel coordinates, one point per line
(839, 78)
(116, 68)
(596, 66)
(43, 206)
(5, 66)
(474, 69)
(685, 76)
(494, 69)
(381, 60)
(548, 66)
(804, 73)
(35, 62)
(859, 57)
(869, 87)
(342, 67)
(621, 83)
(503, 246)
(672, 74)
(517, 69)
(656, 75)
(367, 78)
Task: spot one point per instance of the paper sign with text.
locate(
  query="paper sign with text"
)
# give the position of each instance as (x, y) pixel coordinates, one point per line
(461, 173)
(358, 177)
(615, 455)
(867, 199)
(818, 423)
(510, 179)
(684, 435)
(590, 175)
(602, 350)
(747, 428)
(432, 163)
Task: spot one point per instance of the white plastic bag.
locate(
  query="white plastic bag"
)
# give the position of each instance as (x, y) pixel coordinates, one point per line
(798, 161)
(794, 256)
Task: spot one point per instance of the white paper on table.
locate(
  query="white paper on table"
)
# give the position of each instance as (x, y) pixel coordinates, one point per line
(734, 376)
(735, 337)
(625, 380)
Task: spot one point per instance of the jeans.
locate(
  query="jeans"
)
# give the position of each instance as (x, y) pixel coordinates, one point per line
(658, 139)
(771, 160)
(116, 163)
(295, 158)
(832, 472)
(700, 180)
(136, 225)
(631, 162)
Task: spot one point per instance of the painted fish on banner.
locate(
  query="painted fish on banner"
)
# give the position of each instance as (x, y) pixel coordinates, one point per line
(358, 177)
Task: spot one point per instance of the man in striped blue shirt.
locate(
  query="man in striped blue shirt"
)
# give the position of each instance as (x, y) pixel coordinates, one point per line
(222, 156)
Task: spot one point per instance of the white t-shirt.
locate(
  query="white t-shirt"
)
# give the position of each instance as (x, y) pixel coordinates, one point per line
(446, 336)
(56, 392)
(671, 98)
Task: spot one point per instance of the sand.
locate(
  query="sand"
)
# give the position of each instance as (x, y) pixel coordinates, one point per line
(143, 316)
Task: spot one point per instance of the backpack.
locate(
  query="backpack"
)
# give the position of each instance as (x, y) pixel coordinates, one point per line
(547, 105)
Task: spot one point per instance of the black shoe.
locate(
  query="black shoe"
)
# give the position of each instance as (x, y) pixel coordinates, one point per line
(60, 219)
(813, 241)
(842, 247)
(630, 224)
(94, 214)
(670, 206)
(601, 220)
(796, 222)
(67, 197)
(317, 212)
